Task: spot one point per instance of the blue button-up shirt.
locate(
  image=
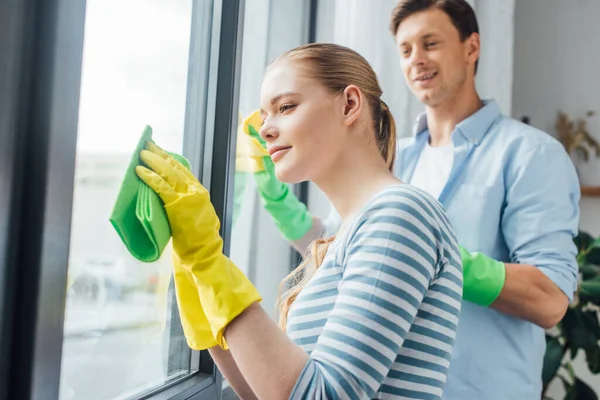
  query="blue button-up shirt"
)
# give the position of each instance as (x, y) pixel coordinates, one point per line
(513, 194)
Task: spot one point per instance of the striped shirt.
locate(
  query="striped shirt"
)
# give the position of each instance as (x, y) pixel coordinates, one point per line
(379, 317)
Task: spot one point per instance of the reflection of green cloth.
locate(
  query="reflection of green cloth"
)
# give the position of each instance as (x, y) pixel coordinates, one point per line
(138, 214)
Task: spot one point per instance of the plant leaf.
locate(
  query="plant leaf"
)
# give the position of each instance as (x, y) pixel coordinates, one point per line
(591, 320)
(580, 328)
(592, 357)
(589, 254)
(593, 255)
(574, 351)
(589, 290)
(581, 391)
(569, 367)
(595, 244)
(589, 271)
(552, 359)
(583, 241)
(569, 389)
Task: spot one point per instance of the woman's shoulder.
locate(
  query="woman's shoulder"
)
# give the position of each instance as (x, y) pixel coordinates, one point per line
(407, 213)
(404, 201)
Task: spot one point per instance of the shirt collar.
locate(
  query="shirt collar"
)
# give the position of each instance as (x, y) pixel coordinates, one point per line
(473, 128)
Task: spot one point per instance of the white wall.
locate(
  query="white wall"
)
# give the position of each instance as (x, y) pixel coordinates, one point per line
(556, 63)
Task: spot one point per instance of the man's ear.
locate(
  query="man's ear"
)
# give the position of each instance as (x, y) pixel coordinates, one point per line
(473, 47)
(353, 104)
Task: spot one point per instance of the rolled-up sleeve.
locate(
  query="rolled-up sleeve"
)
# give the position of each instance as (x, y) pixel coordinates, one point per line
(541, 214)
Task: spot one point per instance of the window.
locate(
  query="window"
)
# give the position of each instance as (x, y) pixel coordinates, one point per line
(116, 330)
(80, 317)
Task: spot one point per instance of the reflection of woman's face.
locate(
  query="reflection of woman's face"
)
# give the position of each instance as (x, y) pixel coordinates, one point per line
(302, 123)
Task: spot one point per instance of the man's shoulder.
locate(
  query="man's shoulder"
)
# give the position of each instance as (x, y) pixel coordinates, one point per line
(505, 136)
(520, 137)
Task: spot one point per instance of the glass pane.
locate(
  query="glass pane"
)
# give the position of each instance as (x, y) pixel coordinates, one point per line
(257, 247)
(119, 326)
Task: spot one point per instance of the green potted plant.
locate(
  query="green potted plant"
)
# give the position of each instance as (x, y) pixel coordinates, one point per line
(579, 330)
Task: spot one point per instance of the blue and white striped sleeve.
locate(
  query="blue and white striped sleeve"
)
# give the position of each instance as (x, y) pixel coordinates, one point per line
(388, 265)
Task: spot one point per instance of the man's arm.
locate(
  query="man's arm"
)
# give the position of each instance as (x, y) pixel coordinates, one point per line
(520, 290)
(529, 294)
(539, 222)
(302, 245)
(320, 227)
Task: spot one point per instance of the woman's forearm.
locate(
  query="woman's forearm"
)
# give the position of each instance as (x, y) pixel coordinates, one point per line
(270, 362)
(231, 372)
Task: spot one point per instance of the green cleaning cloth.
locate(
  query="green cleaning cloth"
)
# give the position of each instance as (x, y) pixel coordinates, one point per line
(138, 214)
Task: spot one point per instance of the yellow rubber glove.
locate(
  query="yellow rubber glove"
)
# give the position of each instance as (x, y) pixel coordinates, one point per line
(196, 328)
(246, 157)
(256, 146)
(224, 291)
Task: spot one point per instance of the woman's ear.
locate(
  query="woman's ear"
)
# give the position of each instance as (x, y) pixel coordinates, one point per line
(353, 104)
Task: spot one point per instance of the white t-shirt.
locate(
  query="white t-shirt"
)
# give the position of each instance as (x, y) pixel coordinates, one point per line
(433, 169)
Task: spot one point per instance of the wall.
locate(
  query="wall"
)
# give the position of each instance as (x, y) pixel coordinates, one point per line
(555, 68)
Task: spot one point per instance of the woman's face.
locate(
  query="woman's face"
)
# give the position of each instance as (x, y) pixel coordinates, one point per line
(302, 123)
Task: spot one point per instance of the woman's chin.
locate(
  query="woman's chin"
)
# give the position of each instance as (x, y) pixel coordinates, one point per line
(288, 175)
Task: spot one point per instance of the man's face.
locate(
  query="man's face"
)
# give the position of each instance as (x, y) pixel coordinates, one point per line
(436, 64)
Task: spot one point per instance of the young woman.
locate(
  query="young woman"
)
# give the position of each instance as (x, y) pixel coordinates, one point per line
(374, 312)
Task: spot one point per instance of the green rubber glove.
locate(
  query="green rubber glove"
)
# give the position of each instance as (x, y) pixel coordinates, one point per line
(290, 215)
(483, 277)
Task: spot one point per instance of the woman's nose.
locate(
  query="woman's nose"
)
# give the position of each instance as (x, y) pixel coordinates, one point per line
(268, 132)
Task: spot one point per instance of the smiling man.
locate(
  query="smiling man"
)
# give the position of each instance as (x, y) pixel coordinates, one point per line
(511, 193)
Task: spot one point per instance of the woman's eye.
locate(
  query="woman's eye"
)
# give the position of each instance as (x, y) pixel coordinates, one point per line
(284, 107)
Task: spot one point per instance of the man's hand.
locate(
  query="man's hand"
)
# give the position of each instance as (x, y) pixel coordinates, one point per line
(519, 290)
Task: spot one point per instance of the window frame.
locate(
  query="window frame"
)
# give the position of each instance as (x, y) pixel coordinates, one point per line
(41, 48)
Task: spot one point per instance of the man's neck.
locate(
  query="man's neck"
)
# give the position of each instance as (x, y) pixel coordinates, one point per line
(443, 118)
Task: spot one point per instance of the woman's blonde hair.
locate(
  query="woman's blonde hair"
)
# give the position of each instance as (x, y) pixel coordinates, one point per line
(336, 67)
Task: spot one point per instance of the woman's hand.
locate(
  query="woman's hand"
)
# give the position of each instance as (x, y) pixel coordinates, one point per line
(223, 290)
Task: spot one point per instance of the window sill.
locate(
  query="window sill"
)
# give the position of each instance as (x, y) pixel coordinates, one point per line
(181, 388)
